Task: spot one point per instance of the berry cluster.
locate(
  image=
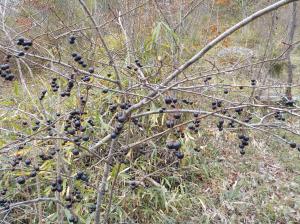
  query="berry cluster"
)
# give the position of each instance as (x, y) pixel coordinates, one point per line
(244, 142)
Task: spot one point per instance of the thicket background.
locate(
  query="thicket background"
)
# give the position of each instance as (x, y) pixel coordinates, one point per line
(211, 179)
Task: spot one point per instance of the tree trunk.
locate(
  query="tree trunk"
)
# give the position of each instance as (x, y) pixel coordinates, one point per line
(291, 33)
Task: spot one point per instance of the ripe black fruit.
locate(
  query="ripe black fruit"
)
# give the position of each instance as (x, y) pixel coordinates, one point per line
(179, 155)
(191, 126)
(75, 152)
(119, 127)
(242, 151)
(4, 67)
(176, 145)
(91, 70)
(77, 58)
(20, 41)
(169, 145)
(92, 208)
(82, 129)
(168, 100)
(121, 118)
(59, 180)
(113, 107)
(293, 145)
(85, 138)
(27, 43)
(21, 180)
(113, 135)
(77, 123)
(241, 136)
(177, 115)
(73, 219)
(27, 162)
(246, 138)
(21, 54)
(32, 173)
(59, 188)
(72, 39)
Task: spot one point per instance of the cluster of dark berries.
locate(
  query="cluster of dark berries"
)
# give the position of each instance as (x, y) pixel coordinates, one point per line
(37, 126)
(92, 208)
(73, 124)
(82, 176)
(239, 110)
(77, 57)
(244, 142)
(253, 82)
(57, 185)
(16, 160)
(175, 145)
(279, 116)
(50, 125)
(162, 110)
(216, 104)
(45, 157)
(135, 121)
(117, 131)
(76, 197)
(121, 118)
(194, 126)
(70, 86)
(125, 106)
(4, 202)
(54, 85)
(82, 100)
(72, 39)
(185, 101)
(220, 125)
(25, 43)
(87, 77)
(5, 72)
(42, 95)
(113, 107)
(231, 124)
(170, 101)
